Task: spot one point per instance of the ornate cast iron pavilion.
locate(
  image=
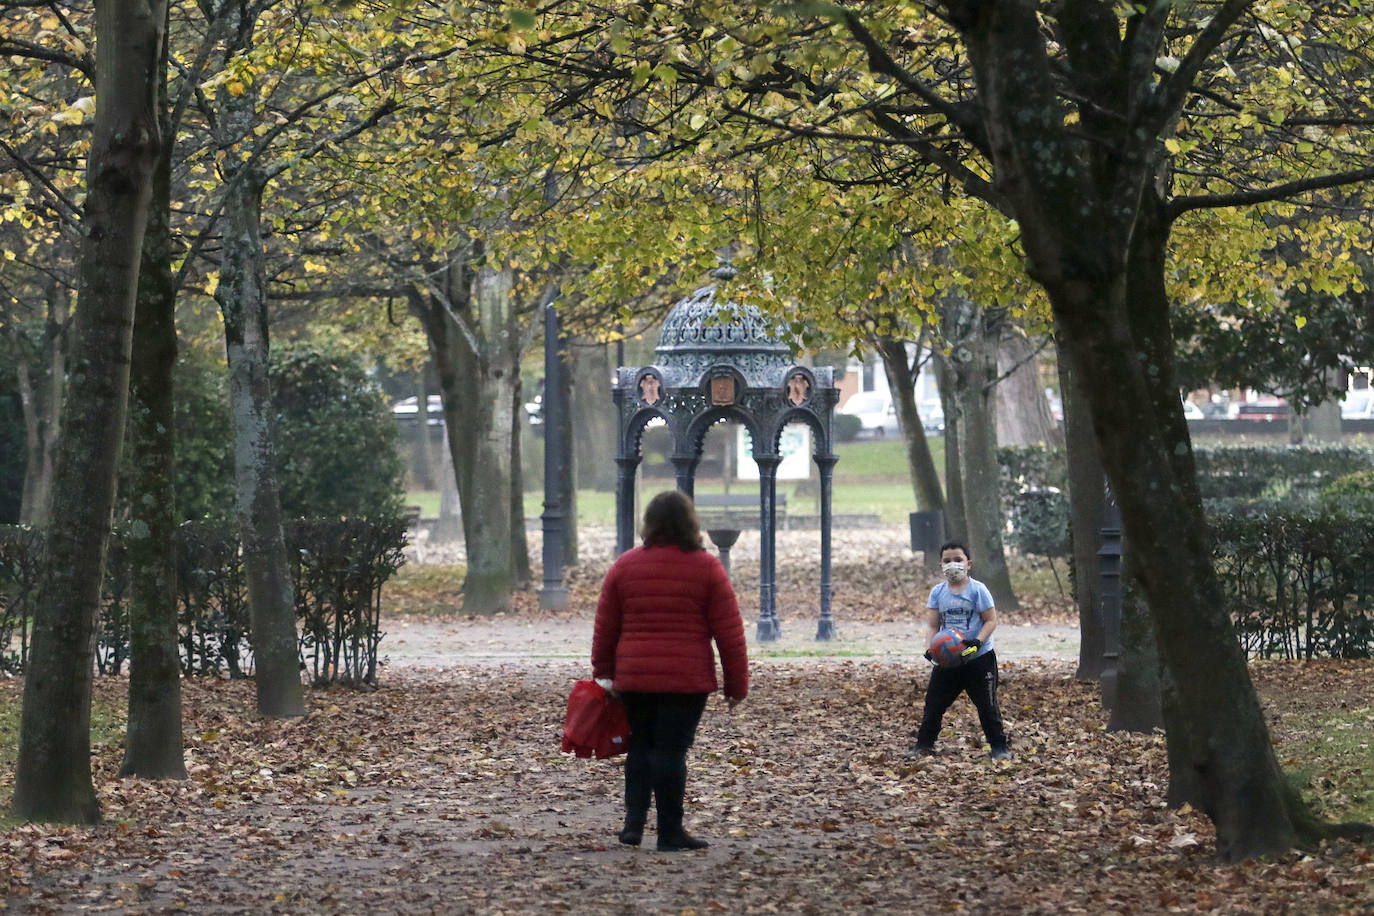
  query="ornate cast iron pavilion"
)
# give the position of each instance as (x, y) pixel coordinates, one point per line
(719, 361)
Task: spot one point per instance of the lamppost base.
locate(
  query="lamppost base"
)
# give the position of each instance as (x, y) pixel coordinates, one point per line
(769, 630)
(825, 629)
(553, 599)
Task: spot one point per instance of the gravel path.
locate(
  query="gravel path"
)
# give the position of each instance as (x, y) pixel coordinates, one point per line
(430, 643)
(873, 573)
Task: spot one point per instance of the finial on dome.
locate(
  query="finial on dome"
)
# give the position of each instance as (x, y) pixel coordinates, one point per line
(723, 271)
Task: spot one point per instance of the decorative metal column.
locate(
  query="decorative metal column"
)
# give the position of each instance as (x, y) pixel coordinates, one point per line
(825, 627)
(685, 470)
(769, 628)
(1109, 587)
(553, 596)
(625, 502)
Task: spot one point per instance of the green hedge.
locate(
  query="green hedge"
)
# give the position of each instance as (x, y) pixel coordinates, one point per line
(1299, 584)
(338, 569)
(1275, 472)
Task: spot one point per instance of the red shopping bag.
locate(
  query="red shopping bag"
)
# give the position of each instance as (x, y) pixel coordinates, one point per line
(595, 725)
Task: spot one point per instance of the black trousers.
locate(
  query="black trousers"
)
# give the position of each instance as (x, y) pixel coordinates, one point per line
(662, 729)
(978, 679)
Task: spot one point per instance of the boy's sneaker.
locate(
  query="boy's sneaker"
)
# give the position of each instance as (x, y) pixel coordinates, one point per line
(922, 750)
(1001, 753)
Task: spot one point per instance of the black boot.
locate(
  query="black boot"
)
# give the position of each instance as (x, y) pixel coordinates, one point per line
(670, 788)
(638, 790)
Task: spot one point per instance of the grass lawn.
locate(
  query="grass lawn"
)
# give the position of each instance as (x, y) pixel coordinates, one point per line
(870, 479)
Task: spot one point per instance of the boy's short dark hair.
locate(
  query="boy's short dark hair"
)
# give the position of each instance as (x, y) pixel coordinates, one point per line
(955, 545)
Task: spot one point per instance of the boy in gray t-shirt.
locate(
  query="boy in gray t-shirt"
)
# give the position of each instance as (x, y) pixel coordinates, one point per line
(964, 604)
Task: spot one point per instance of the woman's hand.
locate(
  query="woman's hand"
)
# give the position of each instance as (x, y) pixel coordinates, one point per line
(732, 702)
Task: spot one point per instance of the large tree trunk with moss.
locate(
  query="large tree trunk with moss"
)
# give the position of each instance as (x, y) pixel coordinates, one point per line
(1095, 237)
(53, 773)
(1139, 684)
(1093, 261)
(476, 338)
(242, 296)
(153, 748)
(973, 334)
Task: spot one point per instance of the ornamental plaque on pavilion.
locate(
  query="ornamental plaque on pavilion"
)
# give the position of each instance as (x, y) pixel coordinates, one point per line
(717, 361)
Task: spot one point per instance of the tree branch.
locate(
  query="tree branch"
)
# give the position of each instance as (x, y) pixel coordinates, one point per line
(1180, 205)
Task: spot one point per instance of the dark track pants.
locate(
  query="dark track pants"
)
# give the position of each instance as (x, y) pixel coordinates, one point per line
(978, 679)
(662, 729)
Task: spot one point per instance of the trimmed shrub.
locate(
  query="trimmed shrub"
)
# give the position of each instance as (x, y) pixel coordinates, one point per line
(1298, 585)
(340, 566)
(335, 438)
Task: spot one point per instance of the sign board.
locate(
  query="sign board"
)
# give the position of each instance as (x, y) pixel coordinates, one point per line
(795, 448)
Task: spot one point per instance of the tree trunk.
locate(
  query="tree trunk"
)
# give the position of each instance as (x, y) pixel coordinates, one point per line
(426, 473)
(568, 485)
(1139, 702)
(154, 748)
(1086, 506)
(475, 341)
(1217, 733)
(1096, 239)
(593, 414)
(901, 381)
(242, 296)
(1023, 411)
(42, 409)
(956, 528)
(53, 773)
(974, 364)
(449, 526)
(519, 541)
(1322, 423)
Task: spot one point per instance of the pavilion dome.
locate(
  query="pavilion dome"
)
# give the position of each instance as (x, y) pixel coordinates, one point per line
(701, 332)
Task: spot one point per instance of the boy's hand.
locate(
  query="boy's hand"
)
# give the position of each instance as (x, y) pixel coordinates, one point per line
(970, 647)
(928, 657)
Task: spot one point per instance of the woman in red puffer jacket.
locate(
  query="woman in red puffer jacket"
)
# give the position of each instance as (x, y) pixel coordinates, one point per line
(661, 606)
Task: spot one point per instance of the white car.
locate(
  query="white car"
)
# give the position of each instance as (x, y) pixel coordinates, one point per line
(876, 412)
(1358, 405)
(1192, 412)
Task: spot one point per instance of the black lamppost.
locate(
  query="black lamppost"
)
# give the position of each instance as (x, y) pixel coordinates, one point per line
(1109, 587)
(553, 596)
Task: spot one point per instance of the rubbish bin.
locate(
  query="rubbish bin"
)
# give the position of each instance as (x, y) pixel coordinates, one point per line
(927, 531)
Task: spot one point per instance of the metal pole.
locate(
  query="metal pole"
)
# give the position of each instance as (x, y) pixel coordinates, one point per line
(825, 629)
(768, 629)
(625, 502)
(553, 596)
(1109, 587)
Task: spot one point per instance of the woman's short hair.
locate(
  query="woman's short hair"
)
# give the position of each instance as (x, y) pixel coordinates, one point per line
(670, 519)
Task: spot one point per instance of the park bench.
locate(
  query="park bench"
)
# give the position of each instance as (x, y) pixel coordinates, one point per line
(735, 510)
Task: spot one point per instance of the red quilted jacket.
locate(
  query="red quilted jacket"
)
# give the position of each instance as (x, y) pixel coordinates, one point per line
(660, 608)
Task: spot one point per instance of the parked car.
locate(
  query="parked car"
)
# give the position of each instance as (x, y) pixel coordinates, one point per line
(876, 413)
(932, 415)
(1262, 409)
(1358, 405)
(1191, 411)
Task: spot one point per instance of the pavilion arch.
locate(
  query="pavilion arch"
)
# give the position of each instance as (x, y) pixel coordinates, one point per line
(720, 361)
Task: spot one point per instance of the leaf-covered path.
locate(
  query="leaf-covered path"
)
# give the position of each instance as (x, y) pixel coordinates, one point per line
(444, 792)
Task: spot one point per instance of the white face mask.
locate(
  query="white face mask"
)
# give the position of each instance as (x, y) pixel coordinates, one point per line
(954, 570)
